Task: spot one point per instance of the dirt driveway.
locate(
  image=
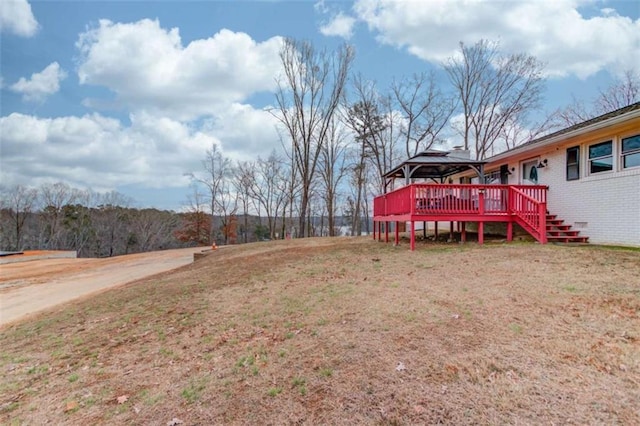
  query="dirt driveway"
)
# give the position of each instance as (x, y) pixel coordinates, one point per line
(32, 286)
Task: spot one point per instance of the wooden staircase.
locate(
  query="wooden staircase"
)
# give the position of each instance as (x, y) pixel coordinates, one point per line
(559, 232)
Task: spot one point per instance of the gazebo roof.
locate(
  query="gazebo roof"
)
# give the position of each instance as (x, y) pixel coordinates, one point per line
(433, 164)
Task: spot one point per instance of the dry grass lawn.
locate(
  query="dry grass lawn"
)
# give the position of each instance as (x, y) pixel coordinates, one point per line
(342, 331)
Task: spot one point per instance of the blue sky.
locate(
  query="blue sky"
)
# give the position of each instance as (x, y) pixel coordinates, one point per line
(127, 96)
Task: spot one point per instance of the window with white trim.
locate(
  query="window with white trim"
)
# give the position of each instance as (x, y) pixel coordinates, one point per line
(630, 152)
(601, 157)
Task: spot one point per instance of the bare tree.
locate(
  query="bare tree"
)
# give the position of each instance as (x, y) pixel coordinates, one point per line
(76, 221)
(494, 90)
(17, 203)
(152, 228)
(332, 170)
(218, 170)
(195, 228)
(425, 109)
(622, 92)
(520, 130)
(574, 113)
(54, 197)
(372, 148)
(270, 188)
(307, 99)
(110, 223)
(243, 181)
(227, 205)
(376, 125)
(358, 182)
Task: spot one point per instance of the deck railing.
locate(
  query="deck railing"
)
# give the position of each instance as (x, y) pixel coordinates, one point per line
(524, 204)
(530, 213)
(420, 198)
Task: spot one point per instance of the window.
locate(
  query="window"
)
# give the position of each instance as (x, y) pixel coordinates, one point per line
(601, 157)
(573, 163)
(631, 152)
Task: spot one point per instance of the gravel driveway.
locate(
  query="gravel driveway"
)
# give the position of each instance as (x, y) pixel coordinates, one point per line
(29, 287)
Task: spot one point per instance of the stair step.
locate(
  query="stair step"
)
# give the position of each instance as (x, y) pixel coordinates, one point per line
(565, 239)
(561, 233)
(558, 227)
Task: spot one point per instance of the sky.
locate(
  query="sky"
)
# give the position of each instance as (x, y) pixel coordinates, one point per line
(128, 96)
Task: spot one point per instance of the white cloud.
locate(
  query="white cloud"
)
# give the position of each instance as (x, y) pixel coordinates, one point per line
(245, 132)
(16, 18)
(553, 31)
(101, 153)
(41, 84)
(341, 25)
(98, 152)
(148, 68)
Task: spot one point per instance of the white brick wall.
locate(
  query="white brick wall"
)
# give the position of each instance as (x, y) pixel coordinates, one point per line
(604, 207)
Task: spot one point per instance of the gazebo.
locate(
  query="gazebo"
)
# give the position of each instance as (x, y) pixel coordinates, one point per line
(437, 198)
(434, 165)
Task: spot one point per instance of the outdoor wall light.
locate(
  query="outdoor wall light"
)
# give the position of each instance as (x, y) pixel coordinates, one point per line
(542, 164)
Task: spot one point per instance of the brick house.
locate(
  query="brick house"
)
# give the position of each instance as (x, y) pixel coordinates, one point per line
(592, 171)
(580, 183)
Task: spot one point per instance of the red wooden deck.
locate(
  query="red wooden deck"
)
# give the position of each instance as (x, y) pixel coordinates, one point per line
(525, 205)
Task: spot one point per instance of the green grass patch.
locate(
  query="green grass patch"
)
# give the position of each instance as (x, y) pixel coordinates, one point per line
(274, 391)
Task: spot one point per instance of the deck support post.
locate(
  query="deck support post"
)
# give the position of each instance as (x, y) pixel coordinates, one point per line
(397, 229)
(424, 229)
(481, 213)
(435, 229)
(379, 231)
(463, 232)
(386, 232)
(413, 235)
(374, 229)
(509, 231)
(451, 231)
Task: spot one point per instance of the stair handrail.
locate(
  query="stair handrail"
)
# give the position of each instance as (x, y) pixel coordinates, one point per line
(533, 220)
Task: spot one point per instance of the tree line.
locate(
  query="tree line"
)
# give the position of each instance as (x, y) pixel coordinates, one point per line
(59, 217)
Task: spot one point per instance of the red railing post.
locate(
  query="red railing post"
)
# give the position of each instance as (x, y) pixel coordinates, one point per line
(413, 199)
(542, 214)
